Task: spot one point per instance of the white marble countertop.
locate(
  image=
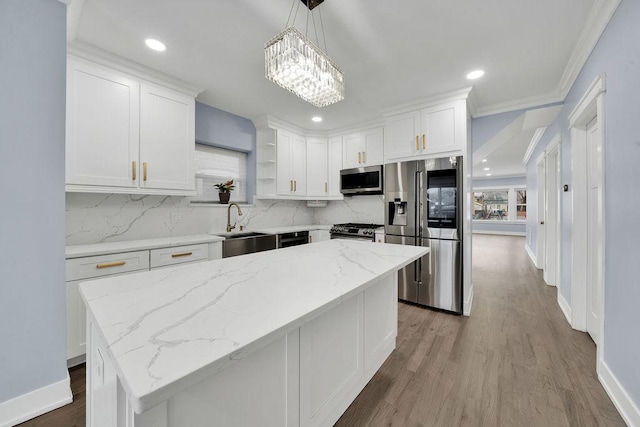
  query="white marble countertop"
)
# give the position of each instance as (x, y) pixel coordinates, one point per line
(168, 329)
(79, 251)
(291, 229)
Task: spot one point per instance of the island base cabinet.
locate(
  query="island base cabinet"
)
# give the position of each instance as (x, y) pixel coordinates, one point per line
(306, 377)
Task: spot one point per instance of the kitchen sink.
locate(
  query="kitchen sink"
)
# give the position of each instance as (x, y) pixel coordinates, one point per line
(242, 243)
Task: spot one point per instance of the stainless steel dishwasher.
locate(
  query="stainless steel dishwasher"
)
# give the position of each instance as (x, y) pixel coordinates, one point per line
(294, 238)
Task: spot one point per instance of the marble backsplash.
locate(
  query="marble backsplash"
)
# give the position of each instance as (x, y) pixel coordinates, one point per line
(98, 218)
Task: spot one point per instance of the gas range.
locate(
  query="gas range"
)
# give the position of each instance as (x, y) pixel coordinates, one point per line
(354, 231)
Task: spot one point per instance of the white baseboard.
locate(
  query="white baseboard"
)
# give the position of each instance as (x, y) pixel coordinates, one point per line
(531, 254)
(35, 403)
(565, 307)
(627, 408)
(502, 233)
(466, 305)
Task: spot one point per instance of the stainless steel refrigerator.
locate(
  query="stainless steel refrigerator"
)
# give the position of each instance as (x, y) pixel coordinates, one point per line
(424, 207)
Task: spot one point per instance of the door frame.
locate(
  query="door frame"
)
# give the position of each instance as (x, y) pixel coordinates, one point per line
(541, 168)
(591, 105)
(552, 229)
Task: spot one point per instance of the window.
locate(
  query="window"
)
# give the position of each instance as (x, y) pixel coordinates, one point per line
(215, 165)
(500, 204)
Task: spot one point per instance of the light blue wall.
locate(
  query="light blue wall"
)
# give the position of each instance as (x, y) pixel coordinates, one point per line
(618, 55)
(222, 129)
(32, 223)
(485, 128)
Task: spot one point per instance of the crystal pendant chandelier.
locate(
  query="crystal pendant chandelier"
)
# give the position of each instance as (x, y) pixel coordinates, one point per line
(295, 63)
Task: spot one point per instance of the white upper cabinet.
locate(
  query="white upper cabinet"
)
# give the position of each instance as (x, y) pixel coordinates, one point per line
(335, 166)
(291, 164)
(317, 167)
(167, 140)
(125, 135)
(431, 131)
(102, 140)
(363, 148)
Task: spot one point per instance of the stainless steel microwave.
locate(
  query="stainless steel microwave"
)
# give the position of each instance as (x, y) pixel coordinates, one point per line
(364, 180)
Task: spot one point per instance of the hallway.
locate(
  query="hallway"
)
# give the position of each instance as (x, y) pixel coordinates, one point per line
(514, 362)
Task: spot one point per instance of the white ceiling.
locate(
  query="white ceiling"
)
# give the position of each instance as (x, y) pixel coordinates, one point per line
(392, 52)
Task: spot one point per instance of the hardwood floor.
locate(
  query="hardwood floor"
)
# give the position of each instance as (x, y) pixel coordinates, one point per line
(514, 362)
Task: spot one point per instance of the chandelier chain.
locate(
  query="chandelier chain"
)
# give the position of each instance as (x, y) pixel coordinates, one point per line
(323, 36)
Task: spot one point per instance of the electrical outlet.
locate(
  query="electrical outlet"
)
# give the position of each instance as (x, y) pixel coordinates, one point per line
(176, 218)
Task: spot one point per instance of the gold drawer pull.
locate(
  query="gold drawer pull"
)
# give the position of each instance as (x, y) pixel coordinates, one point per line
(424, 144)
(134, 171)
(181, 254)
(364, 157)
(144, 171)
(417, 142)
(326, 187)
(111, 264)
(359, 158)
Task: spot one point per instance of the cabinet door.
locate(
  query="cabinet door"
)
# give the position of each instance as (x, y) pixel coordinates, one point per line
(167, 141)
(400, 135)
(102, 131)
(372, 147)
(76, 321)
(438, 128)
(317, 167)
(299, 165)
(284, 182)
(335, 165)
(352, 150)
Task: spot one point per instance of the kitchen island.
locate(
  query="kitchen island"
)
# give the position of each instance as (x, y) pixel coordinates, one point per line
(278, 338)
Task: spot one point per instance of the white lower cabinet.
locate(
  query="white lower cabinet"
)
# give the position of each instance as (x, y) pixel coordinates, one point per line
(85, 269)
(319, 235)
(306, 377)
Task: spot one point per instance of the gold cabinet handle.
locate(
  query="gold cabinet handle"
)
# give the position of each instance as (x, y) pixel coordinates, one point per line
(364, 157)
(424, 141)
(359, 158)
(295, 185)
(417, 143)
(291, 186)
(310, 238)
(134, 171)
(144, 171)
(111, 264)
(326, 187)
(181, 254)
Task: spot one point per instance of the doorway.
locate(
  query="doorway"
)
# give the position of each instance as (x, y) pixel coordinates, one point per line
(587, 123)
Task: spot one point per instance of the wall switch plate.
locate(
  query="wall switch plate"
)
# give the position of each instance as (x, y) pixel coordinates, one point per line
(176, 218)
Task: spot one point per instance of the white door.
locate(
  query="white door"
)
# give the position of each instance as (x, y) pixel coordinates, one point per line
(317, 167)
(352, 146)
(542, 209)
(595, 230)
(102, 140)
(167, 141)
(402, 136)
(299, 165)
(335, 165)
(372, 148)
(284, 182)
(551, 222)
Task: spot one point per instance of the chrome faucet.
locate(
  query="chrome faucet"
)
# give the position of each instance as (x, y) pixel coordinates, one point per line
(229, 226)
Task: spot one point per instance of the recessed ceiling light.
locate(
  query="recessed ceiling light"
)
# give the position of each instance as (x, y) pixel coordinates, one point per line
(487, 169)
(484, 160)
(155, 45)
(316, 119)
(488, 174)
(475, 74)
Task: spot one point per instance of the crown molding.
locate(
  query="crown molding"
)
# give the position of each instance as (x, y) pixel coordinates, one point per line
(537, 136)
(597, 21)
(454, 95)
(74, 8)
(92, 53)
(521, 104)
